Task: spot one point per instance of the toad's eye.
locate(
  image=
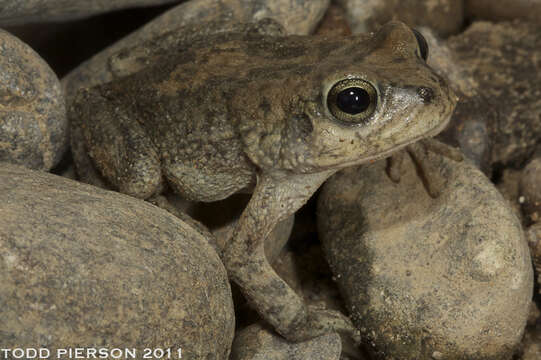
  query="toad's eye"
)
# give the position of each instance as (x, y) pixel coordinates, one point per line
(352, 100)
(423, 45)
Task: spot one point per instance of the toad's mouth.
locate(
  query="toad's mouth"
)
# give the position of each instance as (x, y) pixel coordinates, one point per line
(430, 133)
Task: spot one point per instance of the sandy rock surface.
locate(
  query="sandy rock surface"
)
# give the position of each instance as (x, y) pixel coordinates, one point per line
(530, 189)
(472, 124)
(334, 23)
(533, 234)
(503, 9)
(424, 278)
(532, 346)
(504, 67)
(81, 266)
(33, 122)
(445, 17)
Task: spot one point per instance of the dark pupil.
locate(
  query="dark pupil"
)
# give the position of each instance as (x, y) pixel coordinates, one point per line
(353, 100)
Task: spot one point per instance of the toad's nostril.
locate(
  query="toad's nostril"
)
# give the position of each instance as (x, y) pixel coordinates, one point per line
(426, 94)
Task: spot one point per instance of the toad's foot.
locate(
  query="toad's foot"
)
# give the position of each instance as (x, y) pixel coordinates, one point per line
(430, 175)
(244, 257)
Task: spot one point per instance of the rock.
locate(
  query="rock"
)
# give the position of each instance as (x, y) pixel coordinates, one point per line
(81, 267)
(503, 9)
(334, 22)
(297, 17)
(258, 343)
(504, 60)
(445, 17)
(423, 278)
(64, 45)
(33, 122)
(533, 235)
(16, 12)
(508, 186)
(471, 127)
(534, 316)
(443, 60)
(530, 189)
(532, 345)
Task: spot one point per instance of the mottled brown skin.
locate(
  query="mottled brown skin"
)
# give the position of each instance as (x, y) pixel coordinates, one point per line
(233, 108)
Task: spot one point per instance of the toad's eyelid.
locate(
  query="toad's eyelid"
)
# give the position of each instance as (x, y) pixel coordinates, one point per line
(422, 44)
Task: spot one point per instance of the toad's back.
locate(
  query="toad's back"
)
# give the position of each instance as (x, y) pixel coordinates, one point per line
(184, 104)
(187, 95)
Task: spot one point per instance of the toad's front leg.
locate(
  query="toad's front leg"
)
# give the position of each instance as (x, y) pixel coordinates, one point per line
(274, 199)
